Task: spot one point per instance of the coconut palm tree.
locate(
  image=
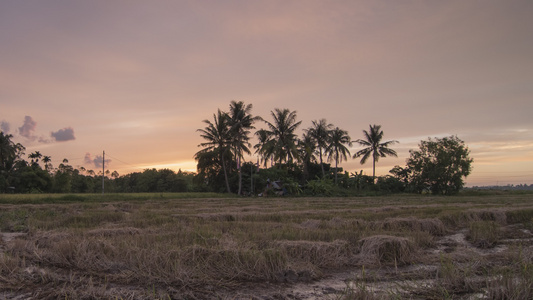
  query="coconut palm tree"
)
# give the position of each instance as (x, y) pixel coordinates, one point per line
(281, 131)
(374, 147)
(265, 147)
(320, 132)
(240, 122)
(307, 149)
(336, 148)
(218, 140)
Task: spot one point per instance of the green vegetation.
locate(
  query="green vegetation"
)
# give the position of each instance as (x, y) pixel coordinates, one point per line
(296, 164)
(300, 161)
(95, 198)
(440, 166)
(374, 147)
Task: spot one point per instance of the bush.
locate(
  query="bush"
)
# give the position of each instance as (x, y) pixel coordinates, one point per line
(320, 187)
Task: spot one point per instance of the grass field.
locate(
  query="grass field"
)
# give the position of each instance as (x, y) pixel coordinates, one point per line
(202, 246)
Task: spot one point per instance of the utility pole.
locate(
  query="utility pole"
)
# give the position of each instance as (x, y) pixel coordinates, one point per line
(103, 171)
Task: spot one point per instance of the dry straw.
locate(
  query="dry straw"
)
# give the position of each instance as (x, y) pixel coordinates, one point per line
(387, 250)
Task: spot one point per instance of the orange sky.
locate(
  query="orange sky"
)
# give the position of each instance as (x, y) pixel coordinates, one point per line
(136, 78)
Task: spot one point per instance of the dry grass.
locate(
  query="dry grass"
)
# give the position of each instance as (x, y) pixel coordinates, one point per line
(432, 226)
(484, 234)
(387, 250)
(336, 254)
(208, 248)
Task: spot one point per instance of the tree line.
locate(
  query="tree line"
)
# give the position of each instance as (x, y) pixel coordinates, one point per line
(286, 163)
(38, 175)
(439, 166)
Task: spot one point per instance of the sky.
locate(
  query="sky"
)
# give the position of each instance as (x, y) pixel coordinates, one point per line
(136, 78)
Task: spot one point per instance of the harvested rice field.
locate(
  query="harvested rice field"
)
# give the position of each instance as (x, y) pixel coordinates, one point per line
(160, 247)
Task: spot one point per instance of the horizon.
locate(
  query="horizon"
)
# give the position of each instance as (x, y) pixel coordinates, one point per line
(136, 79)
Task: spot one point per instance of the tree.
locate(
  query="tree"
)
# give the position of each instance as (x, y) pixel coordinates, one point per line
(47, 160)
(10, 153)
(439, 165)
(63, 177)
(320, 133)
(265, 147)
(240, 122)
(402, 174)
(306, 149)
(336, 148)
(35, 156)
(218, 141)
(374, 147)
(281, 132)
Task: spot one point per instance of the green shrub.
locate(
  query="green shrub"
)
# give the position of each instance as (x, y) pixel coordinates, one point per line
(320, 187)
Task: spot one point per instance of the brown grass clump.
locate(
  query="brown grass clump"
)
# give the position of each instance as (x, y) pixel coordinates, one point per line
(385, 249)
(496, 215)
(461, 219)
(484, 234)
(111, 232)
(229, 266)
(433, 226)
(310, 224)
(524, 215)
(321, 254)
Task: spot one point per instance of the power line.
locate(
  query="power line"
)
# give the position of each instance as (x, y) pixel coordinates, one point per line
(131, 165)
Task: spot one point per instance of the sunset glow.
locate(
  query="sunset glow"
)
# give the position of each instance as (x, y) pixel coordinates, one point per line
(136, 78)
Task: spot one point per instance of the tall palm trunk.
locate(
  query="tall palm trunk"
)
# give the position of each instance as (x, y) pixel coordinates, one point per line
(239, 165)
(336, 164)
(240, 181)
(225, 173)
(374, 170)
(321, 163)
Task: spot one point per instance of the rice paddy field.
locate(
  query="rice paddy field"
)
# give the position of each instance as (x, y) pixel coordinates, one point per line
(204, 246)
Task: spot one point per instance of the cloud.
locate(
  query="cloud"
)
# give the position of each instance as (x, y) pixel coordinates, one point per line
(96, 161)
(4, 126)
(62, 135)
(28, 128)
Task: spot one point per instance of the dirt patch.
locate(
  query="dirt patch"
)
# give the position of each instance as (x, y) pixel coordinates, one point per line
(7, 237)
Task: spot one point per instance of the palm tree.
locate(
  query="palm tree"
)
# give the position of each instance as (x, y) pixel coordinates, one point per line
(336, 149)
(240, 122)
(218, 140)
(306, 148)
(320, 131)
(47, 163)
(35, 156)
(374, 147)
(281, 131)
(265, 147)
